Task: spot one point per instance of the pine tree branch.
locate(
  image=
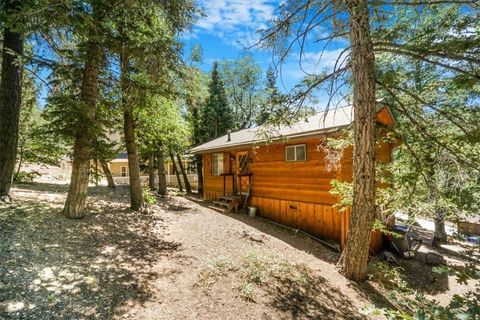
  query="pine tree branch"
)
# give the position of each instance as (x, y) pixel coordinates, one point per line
(424, 131)
(430, 105)
(422, 58)
(426, 52)
(422, 3)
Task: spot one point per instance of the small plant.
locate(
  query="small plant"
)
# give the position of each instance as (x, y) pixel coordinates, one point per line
(386, 275)
(411, 304)
(148, 197)
(264, 270)
(25, 177)
(247, 291)
(213, 270)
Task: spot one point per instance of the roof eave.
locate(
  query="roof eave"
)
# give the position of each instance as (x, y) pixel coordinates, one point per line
(276, 139)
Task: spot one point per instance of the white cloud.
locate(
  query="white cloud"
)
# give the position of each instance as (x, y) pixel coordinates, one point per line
(311, 63)
(235, 21)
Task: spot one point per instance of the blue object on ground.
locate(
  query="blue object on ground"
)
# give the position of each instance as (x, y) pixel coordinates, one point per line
(473, 239)
(400, 228)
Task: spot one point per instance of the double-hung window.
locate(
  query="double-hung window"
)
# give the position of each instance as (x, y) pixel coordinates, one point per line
(217, 164)
(124, 171)
(296, 153)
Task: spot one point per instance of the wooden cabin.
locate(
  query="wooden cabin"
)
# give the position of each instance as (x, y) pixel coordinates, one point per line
(288, 178)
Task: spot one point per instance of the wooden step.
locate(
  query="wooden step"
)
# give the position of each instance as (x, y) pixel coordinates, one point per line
(221, 210)
(229, 198)
(222, 204)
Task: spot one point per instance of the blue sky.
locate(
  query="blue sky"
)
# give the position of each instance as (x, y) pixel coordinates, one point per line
(231, 25)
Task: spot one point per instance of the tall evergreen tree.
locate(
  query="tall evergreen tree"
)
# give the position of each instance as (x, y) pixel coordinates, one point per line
(10, 92)
(271, 106)
(355, 67)
(217, 115)
(242, 84)
(195, 92)
(149, 54)
(89, 94)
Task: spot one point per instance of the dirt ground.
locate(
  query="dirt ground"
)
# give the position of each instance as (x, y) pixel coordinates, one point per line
(180, 261)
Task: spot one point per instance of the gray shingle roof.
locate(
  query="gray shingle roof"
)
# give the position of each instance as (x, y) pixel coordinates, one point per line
(321, 122)
(122, 155)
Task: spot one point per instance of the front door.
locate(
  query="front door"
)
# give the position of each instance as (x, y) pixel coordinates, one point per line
(243, 171)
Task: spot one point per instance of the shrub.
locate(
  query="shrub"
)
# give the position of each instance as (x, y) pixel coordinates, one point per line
(148, 196)
(411, 304)
(213, 270)
(25, 177)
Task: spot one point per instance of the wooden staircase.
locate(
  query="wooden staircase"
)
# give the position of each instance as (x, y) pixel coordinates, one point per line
(227, 204)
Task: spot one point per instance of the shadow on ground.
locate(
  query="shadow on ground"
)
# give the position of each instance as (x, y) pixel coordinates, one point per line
(296, 240)
(93, 268)
(314, 298)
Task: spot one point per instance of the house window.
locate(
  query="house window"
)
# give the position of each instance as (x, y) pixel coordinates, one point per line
(124, 171)
(217, 164)
(296, 153)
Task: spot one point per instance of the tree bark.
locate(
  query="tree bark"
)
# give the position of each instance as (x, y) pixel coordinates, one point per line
(199, 161)
(188, 188)
(97, 173)
(77, 192)
(196, 136)
(353, 262)
(10, 99)
(440, 234)
(20, 160)
(151, 173)
(180, 187)
(108, 174)
(162, 180)
(136, 195)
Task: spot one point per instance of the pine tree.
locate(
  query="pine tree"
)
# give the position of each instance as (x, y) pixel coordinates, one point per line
(217, 115)
(10, 94)
(355, 68)
(273, 100)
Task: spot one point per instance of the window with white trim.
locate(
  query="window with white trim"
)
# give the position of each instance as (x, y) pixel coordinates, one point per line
(217, 164)
(124, 171)
(296, 153)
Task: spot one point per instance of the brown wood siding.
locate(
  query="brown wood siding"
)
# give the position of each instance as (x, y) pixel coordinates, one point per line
(213, 185)
(296, 194)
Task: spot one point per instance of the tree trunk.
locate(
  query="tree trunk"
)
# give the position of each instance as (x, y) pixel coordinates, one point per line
(108, 174)
(188, 188)
(151, 173)
(162, 180)
(440, 234)
(180, 187)
(353, 262)
(199, 161)
(97, 175)
(196, 136)
(77, 191)
(136, 195)
(20, 160)
(10, 99)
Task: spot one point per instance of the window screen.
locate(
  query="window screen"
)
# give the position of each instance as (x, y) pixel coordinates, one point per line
(217, 164)
(296, 153)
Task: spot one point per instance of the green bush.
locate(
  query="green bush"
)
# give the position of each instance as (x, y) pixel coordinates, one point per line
(413, 305)
(148, 196)
(25, 177)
